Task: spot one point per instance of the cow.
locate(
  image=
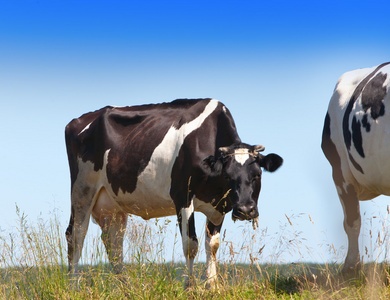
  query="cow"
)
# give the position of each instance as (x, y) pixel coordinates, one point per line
(159, 160)
(356, 142)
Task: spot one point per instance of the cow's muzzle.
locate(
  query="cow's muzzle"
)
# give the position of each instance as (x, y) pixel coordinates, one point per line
(245, 212)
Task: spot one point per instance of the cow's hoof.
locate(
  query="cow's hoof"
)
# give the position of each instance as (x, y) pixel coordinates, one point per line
(351, 270)
(189, 282)
(211, 284)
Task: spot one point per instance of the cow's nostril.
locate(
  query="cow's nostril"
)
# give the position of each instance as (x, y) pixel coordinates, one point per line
(253, 212)
(250, 209)
(246, 212)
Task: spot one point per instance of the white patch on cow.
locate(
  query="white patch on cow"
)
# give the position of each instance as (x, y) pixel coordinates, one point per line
(339, 189)
(151, 198)
(212, 245)
(190, 246)
(85, 128)
(89, 182)
(185, 214)
(214, 241)
(86, 177)
(241, 155)
(224, 109)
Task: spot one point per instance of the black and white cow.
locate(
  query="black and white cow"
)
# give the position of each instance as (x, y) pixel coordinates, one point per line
(356, 141)
(159, 160)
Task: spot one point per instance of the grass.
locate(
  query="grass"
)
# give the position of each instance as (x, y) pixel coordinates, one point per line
(34, 266)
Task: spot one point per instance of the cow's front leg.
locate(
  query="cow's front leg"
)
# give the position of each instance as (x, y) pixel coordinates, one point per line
(212, 245)
(189, 239)
(352, 224)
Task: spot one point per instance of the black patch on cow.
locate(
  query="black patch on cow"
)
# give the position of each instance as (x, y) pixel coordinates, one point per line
(69, 233)
(365, 123)
(212, 229)
(373, 95)
(357, 136)
(191, 232)
(346, 132)
(355, 164)
(326, 130)
(191, 227)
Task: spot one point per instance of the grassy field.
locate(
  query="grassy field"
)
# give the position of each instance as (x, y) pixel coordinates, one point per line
(34, 266)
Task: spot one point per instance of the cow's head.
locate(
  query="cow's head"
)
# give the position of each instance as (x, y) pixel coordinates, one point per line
(238, 169)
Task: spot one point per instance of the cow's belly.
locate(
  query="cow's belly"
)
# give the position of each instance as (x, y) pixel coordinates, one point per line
(145, 203)
(376, 168)
(374, 181)
(148, 207)
(108, 206)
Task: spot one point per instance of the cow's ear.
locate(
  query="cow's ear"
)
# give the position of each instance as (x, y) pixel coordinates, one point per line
(271, 162)
(212, 165)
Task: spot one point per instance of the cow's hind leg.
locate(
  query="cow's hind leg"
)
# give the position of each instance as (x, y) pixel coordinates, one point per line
(77, 229)
(189, 239)
(113, 231)
(352, 224)
(112, 221)
(347, 195)
(212, 245)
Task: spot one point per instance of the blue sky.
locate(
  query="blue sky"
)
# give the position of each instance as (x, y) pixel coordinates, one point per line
(273, 63)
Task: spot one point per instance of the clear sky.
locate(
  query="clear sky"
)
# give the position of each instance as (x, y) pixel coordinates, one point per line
(274, 64)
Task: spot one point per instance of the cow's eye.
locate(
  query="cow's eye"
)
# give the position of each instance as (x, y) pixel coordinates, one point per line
(256, 177)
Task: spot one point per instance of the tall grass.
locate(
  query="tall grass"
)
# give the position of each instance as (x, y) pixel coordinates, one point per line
(33, 265)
